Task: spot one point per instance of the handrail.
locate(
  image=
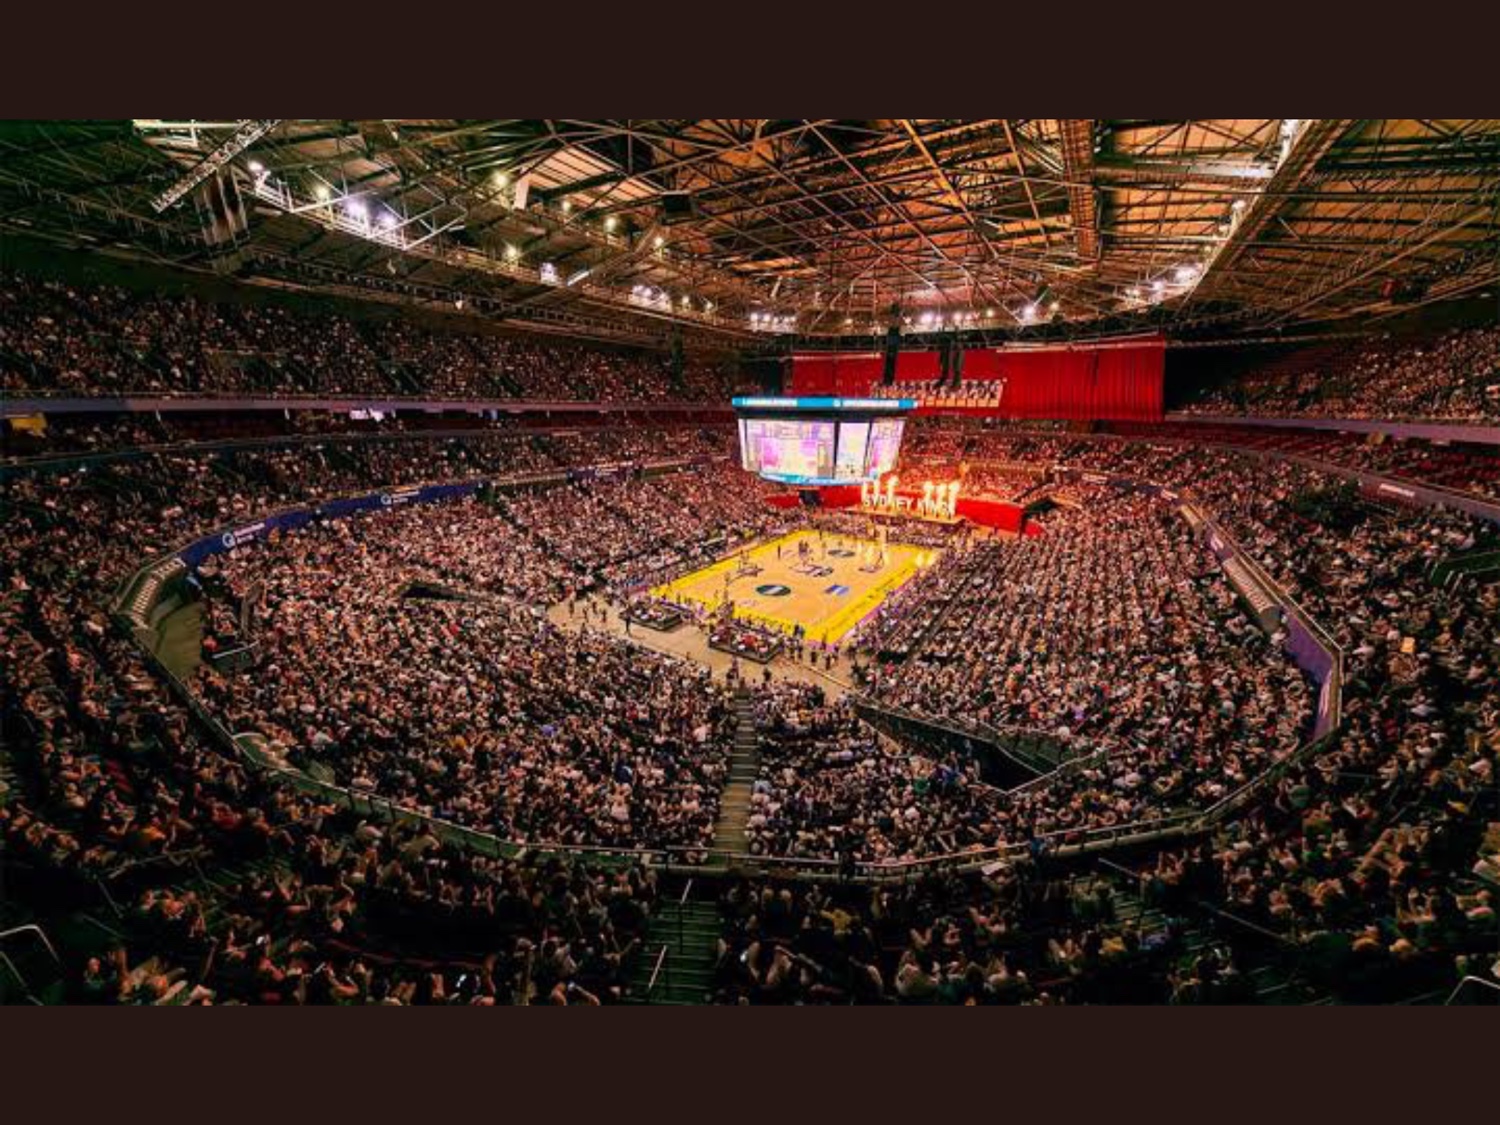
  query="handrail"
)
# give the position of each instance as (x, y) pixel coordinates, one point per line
(189, 856)
(661, 960)
(1465, 983)
(960, 728)
(20, 977)
(1279, 939)
(37, 932)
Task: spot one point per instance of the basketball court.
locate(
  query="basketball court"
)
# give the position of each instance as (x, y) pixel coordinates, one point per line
(827, 584)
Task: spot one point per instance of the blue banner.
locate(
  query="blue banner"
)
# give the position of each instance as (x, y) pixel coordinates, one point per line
(231, 537)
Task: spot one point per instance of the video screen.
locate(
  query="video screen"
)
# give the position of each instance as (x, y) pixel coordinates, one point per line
(885, 444)
(854, 440)
(819, 451)
(789, 450)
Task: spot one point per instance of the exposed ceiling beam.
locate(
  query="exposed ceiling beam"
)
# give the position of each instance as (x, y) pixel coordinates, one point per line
(244, 135)
(1078, 168)
(1307, 147)
(1131, 170)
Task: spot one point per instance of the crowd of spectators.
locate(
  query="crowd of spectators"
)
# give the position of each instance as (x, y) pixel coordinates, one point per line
(117, 785)
(830, 788)
(1116, 636)
(1011, 937)
(477, 711)
(1451, 377)
(622, 531)
(80, 338)
(1113, 631)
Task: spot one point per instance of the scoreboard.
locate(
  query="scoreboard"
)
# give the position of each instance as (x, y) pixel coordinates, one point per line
(820, 441)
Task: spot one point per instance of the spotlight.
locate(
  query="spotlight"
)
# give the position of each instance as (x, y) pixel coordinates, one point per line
(257, 167)
(610, 223)
(658, 242)
(321, 193)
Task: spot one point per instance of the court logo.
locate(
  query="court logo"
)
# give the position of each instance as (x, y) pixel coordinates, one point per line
(837, 591)
(773, 590)
(841, 553)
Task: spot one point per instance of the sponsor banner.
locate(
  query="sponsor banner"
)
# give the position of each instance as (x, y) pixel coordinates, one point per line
(194, 553)
(338, 509)
(240, 535)
(616, 471)
(399, 496)
(1317, 662)
(821, 402)
(435, 493)
(230, 538)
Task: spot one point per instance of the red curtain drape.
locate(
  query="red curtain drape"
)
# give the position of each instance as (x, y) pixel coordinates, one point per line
(812, 375)
(848, 374)
(1114, 381)
(856, 374)
(918, 367)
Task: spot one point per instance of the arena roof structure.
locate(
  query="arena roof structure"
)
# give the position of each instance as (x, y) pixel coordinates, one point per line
(738, 231)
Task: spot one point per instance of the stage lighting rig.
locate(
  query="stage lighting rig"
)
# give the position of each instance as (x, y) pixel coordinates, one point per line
(244, 135)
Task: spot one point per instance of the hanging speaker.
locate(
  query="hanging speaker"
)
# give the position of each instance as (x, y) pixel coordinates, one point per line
(221, 210)
(892, 349)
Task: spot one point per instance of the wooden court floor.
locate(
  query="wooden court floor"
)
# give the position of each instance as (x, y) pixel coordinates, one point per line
(782, 596)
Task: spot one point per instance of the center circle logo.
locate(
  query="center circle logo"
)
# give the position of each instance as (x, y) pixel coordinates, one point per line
(773, 590)
(841, 553)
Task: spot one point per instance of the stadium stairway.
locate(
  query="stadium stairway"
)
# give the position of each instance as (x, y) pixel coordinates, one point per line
(744, 765)
(676, 962)
(1273, 970)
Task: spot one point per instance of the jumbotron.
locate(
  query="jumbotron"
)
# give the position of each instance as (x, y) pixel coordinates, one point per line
(673, 584)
